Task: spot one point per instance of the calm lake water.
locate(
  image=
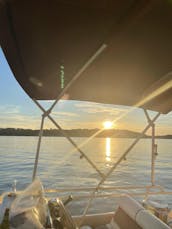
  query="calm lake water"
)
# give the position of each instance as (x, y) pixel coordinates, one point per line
(60, 166)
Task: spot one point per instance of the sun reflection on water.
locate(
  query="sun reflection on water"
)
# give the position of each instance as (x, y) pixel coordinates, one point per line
(108, 149)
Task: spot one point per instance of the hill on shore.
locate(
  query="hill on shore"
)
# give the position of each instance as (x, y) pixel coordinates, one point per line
(113, 133)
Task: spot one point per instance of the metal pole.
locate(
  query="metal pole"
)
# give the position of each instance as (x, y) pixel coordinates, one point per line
(115, 195)
(112, 188)
(153, 148)
(38, 148)
(153, 155)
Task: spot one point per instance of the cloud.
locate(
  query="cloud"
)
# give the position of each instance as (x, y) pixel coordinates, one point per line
(165, 119)
(9, 109)
(11, 116)
(85, 125)
(68, 124)
(19, 121)
(64, 114)
(93, 108)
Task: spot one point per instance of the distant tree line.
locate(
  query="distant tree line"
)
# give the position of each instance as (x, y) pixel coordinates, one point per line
(113, 133)
(72, 132)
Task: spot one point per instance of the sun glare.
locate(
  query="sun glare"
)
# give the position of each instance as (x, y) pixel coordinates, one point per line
(108, 124)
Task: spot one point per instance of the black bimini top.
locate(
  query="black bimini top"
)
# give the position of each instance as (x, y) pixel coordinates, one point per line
(46, 43)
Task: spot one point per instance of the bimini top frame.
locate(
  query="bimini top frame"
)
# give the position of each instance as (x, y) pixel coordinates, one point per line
(103, 176)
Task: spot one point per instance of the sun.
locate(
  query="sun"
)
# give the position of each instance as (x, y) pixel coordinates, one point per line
(108, 125)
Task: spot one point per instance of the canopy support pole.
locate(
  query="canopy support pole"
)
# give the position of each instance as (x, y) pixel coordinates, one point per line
(154, 148)
(38, 147)
(153, 155)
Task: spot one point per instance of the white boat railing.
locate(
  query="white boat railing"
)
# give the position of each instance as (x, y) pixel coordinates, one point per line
(117, 191)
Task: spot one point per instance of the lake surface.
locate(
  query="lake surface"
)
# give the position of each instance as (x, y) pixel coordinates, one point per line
(61, 166)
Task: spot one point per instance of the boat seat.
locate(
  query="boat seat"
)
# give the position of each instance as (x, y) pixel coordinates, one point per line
(131, 214)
